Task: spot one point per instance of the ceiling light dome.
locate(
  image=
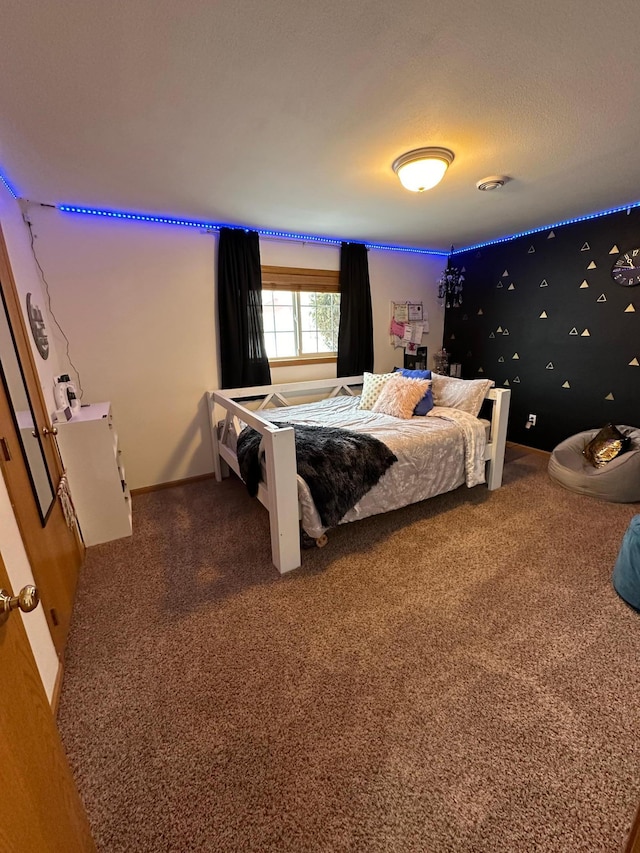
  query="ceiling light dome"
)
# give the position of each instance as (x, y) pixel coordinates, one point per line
(422, 168)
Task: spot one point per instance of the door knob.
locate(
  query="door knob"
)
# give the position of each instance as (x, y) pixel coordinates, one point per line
(53, 431)
(27, 600)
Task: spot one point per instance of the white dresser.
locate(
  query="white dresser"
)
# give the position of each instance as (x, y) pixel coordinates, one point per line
(93, 460)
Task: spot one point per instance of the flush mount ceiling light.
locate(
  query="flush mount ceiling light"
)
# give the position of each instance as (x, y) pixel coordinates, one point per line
(493, 182)
(423, 168)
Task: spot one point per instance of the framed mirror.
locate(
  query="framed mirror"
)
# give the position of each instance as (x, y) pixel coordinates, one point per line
(17, 394)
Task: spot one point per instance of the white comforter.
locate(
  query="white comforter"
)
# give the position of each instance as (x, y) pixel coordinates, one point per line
(436, 454)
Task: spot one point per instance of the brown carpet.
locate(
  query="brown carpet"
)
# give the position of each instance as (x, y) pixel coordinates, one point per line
(455, 676)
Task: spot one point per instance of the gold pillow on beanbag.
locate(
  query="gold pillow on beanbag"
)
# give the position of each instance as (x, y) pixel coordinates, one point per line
(605, 446)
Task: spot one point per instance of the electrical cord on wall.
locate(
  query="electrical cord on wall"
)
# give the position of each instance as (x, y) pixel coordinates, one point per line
(48, 295)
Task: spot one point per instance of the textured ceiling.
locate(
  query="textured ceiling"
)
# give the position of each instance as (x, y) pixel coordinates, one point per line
(288, 115)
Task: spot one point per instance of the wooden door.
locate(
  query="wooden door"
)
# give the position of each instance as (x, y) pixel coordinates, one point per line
(55, 552)
(40, 809)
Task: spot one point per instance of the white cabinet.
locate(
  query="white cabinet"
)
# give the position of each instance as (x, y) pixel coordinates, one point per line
(89, 448)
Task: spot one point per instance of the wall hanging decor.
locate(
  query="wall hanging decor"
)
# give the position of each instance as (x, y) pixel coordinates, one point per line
(450, 285)
(38, 330)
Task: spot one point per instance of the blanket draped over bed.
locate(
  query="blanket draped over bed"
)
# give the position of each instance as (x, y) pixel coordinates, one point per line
(339, 466)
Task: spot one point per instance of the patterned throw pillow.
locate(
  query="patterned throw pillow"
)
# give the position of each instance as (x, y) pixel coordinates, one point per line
(400, 396)
(372, 385)
(464, 394)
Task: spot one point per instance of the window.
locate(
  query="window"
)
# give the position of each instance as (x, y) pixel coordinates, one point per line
(301, 314)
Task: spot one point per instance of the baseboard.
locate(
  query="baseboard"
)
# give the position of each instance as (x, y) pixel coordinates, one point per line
(157, 486)
(526, 448)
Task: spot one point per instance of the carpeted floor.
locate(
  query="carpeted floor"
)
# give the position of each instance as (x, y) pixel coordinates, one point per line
(455, 676)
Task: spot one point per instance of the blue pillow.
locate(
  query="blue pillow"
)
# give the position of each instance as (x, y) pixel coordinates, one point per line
(426, 404)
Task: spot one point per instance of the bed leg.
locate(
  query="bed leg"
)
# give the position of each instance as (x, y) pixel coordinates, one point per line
(282, 484)
(321, 541)
(499, 423)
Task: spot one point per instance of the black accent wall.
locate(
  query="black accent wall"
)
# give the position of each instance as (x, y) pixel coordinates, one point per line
(542, 316)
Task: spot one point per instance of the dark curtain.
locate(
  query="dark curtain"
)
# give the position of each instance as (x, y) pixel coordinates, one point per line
(355, 334)
(243, 357)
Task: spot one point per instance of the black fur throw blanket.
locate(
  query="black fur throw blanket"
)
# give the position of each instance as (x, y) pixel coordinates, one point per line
(338, 465)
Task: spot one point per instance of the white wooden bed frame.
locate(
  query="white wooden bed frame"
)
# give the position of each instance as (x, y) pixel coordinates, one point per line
(279, 494)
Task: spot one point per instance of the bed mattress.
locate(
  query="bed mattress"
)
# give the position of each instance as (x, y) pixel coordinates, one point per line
(436, 454)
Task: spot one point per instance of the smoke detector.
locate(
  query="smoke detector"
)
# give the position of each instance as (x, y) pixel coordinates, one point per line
(493, 182)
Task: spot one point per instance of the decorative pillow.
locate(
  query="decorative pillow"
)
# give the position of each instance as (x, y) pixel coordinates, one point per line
(400, 396)
(372, 385)
(606, 445)
(426, 404)
(465, 394)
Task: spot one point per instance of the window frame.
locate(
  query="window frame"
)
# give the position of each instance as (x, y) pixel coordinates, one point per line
(300, 280)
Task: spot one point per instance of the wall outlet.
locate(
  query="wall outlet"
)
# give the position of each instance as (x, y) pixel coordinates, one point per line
(532, 419)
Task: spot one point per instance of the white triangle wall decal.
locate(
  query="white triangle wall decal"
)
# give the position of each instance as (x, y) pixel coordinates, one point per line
(452, 338)
(566, 384)
(515, 355)
(511, 286)
(516, 379)
(601, 298)
(531, 250)
(610, 396)
(550, 235)
(585, 247)
(492, 335)
(505, 274)
(499, 284)
(505, 332)
(586, 334)
(573, 331)
(585, 283)
(543, 316)
(614, 250)
(634, 362)
(480, 312)
(544, 283)
(481, 370)
(506, 381)
(630, 309)
(501, 359)
(549, 366)
(499, 330)
(592, 265)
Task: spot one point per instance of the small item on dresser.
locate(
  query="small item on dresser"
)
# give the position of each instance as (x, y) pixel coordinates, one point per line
(605, 446)
(62, 415)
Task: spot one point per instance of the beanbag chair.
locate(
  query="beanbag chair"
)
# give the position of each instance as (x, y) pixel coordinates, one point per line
(617, 481)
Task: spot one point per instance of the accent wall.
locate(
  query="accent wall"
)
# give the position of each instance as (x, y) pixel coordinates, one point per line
(542, 315)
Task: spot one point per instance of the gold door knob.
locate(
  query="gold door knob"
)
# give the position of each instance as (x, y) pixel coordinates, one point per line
(27, 600)
(53, 431)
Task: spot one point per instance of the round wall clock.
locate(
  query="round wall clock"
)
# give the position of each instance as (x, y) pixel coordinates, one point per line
(626, 270)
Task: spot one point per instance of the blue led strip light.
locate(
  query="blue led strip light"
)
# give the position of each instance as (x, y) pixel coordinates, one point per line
(211, 226)
(549, 227)
(11, 189)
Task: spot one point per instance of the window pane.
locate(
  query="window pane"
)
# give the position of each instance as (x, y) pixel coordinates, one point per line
(284, 318)
(268, 318)
(270, 345)
(309, 342)
(267, 297)
(285, 344)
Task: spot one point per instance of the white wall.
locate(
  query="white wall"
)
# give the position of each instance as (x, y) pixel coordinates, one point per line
(137, 302)
(12, 549)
